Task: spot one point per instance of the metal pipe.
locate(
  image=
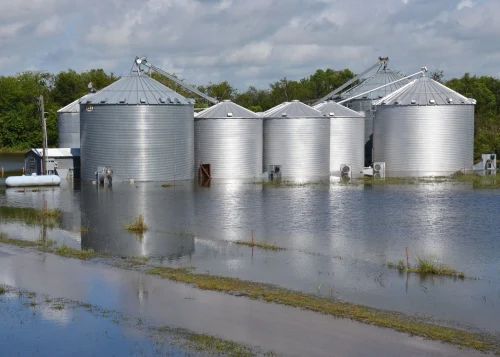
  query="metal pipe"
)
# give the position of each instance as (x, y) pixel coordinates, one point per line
(348, 83)
(143, 61)
(423, 70)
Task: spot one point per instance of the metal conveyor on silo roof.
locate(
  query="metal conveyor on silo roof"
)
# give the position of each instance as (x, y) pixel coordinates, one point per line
(143, 61)
(382, 62)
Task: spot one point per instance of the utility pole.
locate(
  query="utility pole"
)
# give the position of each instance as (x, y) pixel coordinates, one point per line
(44, 130)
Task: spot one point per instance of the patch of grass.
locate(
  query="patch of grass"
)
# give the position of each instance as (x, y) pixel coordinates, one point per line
(426, 267)
(138, 225)
(68, 252)
(260, 245)
(273, 294)
(57, 306)
(2, 290)
(166, 185)
(211, 344)
(18, 242)
(30, 216)
(477, 181)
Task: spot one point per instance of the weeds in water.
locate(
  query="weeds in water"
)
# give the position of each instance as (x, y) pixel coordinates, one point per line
(426, 267)
(277, 295)
(68, 252)
(2, 290)
(58, 306)
(211, 344)
(46, 217)
(260, 245)
(138, 226)
(166, 185)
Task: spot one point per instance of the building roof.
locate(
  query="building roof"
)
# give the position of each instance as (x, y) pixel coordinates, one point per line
(424, 91)
(73, 107)
(226, 109)
(57, 152)
(136, 89)
(332, 109)
(293, 109)
(379, 78)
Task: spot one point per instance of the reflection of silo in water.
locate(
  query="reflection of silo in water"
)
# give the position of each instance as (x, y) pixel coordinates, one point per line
(297, 217)
(167, 212)
(229, 211)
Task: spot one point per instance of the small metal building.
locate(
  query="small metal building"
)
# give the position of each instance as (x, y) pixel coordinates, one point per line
(424, 129)
(364, 103)
(68, 125)
(228, 142)
(64, 162)
(296, 142)
(347, 130)
(139, 128)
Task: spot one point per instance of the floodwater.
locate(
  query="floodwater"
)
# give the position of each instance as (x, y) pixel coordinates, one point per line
(338, 238)
(33, 325)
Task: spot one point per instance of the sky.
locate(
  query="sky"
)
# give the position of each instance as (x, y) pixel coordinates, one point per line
(250, 42)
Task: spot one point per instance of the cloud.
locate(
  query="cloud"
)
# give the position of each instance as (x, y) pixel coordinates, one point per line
(250, 42)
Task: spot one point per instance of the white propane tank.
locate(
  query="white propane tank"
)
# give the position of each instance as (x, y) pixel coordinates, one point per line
(23, 181)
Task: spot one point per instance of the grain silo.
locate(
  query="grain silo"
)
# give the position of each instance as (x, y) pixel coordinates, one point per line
(424, 129)
(228, 142)
(140, 128)
(364, 102)
(68, 125)
(296, 142)
(347, 145)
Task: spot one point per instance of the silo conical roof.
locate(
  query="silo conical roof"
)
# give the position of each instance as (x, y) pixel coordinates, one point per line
(424, 91)
(73, 107)
(333, 109)
(379, 78)
(293, 109)
(226, 109)
(136, 89)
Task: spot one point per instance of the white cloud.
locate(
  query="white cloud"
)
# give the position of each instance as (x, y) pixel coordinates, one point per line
(250, 42)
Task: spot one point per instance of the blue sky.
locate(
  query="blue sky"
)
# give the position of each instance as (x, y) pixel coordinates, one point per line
(250, 42)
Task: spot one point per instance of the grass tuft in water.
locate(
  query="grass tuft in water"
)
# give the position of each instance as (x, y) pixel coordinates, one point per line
(68, 252)
(277, 295)
(260, 245)
(167, 185)
(2, 290)
(427, 267)
(138, 225)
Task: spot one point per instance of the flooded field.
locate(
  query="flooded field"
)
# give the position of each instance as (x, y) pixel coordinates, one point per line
(332, 240)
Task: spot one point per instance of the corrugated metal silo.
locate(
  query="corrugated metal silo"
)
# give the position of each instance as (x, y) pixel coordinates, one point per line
(228, 137)
(364, 103)
(347, 145)
(424, 129)
(297, 140)
(139, 127)
(68, 125)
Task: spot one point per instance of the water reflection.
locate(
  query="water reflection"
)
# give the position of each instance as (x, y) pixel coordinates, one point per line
(168, 212)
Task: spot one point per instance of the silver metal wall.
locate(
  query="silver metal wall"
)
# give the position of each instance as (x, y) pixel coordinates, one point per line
(300, 145)
(232, 146)
(347, 145)
(141, 142)
(424, 140)
(68, 125)
(365, 106)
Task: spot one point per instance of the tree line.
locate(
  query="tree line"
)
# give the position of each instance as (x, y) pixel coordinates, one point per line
(20, 124)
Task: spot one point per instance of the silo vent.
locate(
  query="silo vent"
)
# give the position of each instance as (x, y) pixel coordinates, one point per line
(413, 101)
(177, 101)
(295, 100)
(331, 114)
(143, 101)
(169, 100)
(123, 100)
(229, 114)
(283, 114)
(103, 101)
(396, 102)
(449, 100)
(432, 101)
(162, 100)
(226, 100)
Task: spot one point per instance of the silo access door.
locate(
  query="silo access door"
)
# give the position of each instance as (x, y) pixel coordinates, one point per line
(204, 174)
